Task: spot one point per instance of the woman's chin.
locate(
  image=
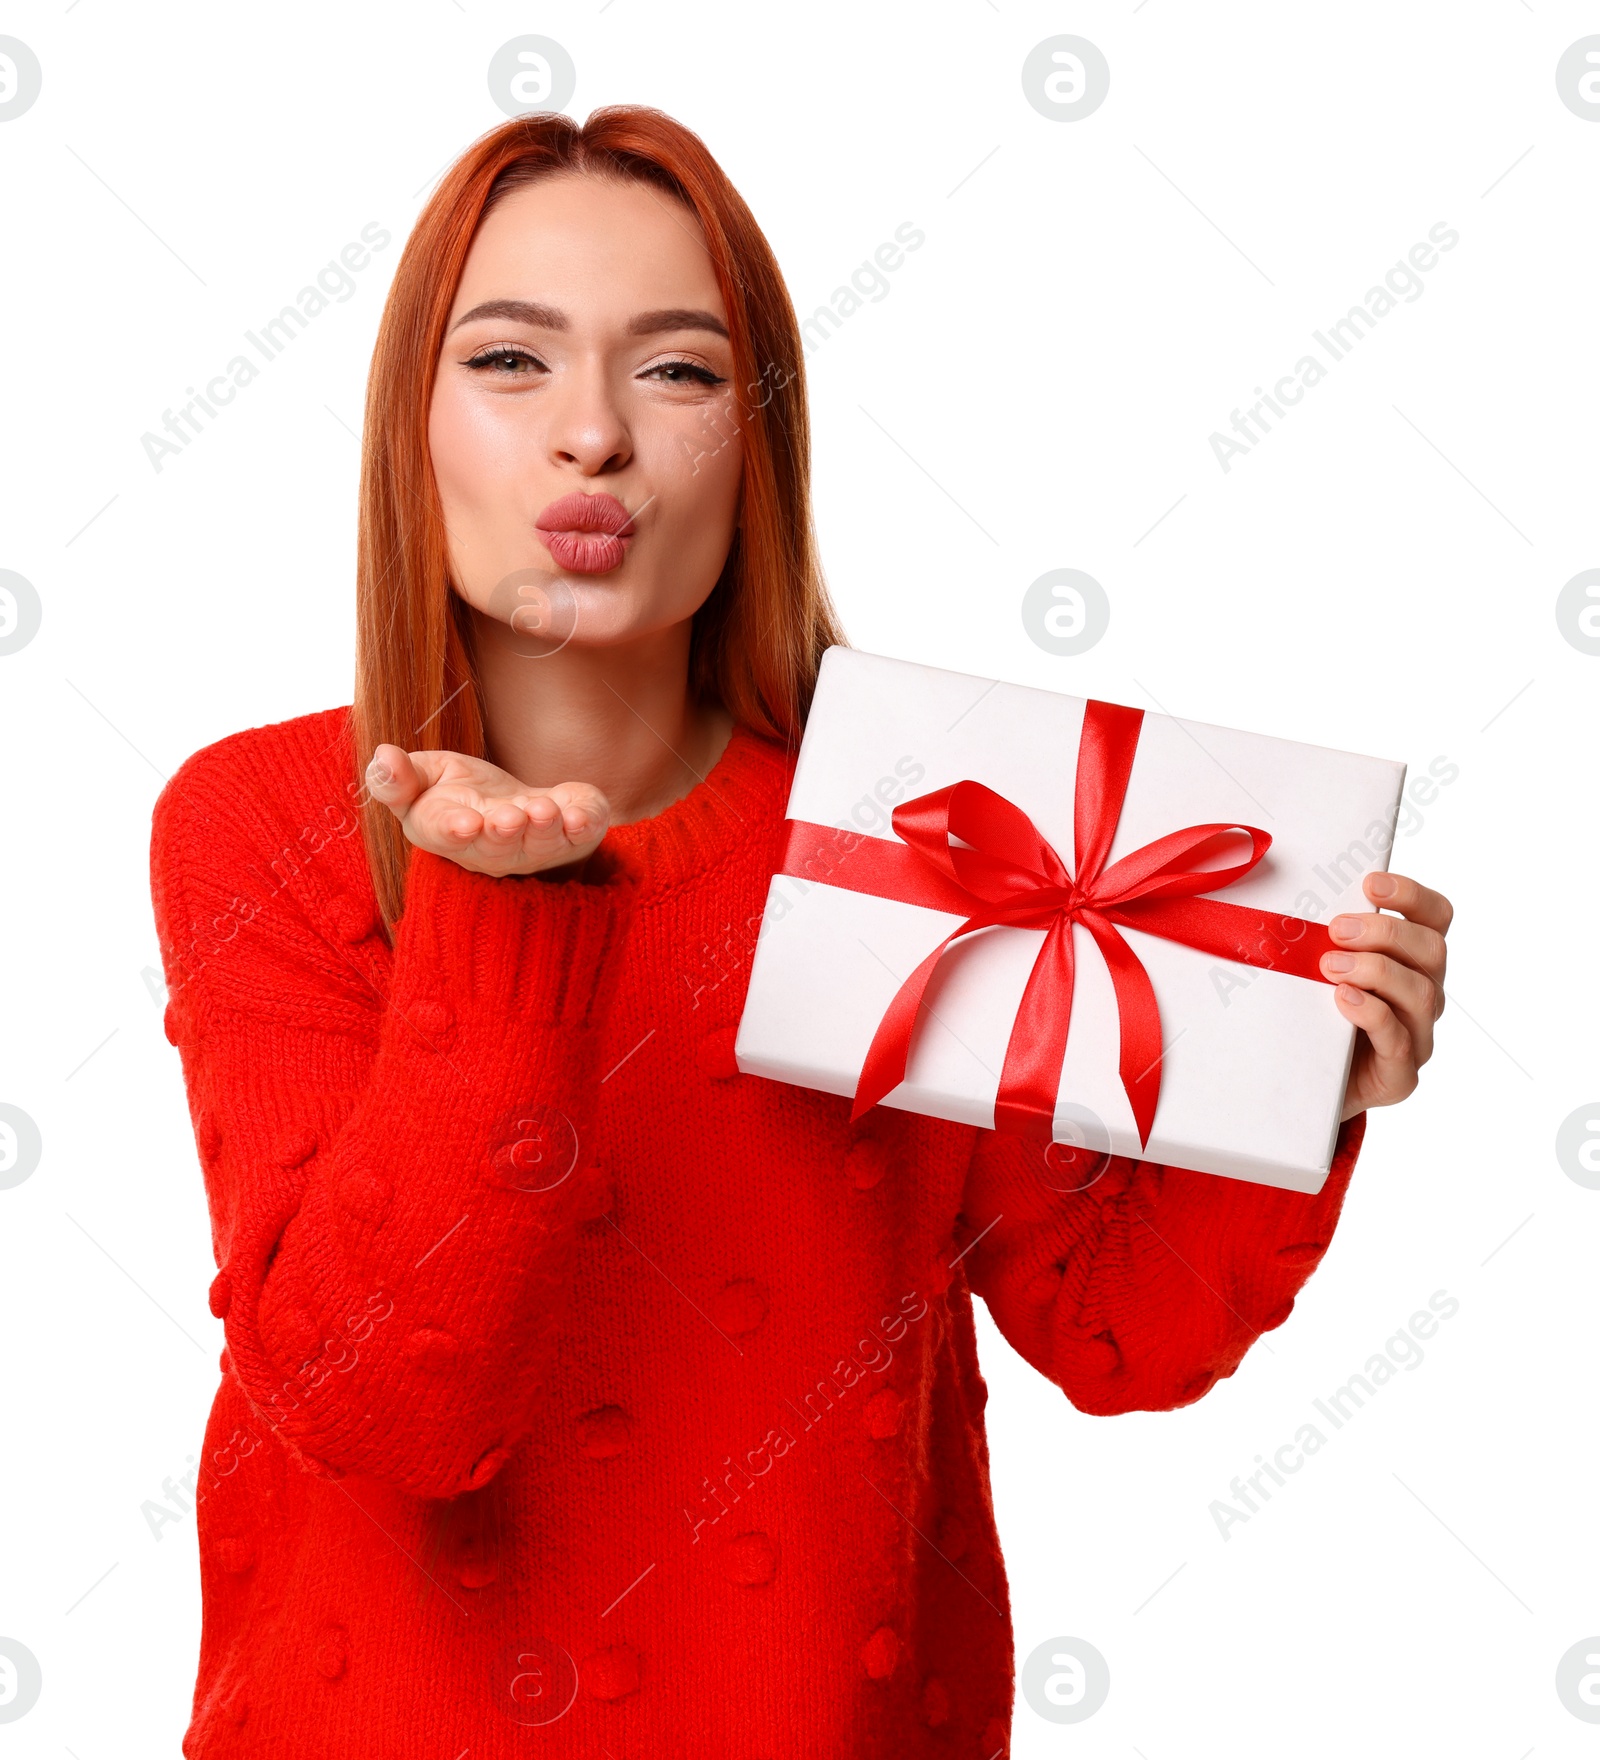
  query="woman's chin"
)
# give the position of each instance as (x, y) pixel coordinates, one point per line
(540, 610)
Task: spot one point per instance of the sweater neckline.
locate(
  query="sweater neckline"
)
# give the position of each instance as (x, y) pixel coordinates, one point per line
(735, 799)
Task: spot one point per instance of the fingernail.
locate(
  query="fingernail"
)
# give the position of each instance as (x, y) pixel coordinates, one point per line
(1351, 996)
(1346, 928)
(1338, 962)
(378, 772)
(1381, 885)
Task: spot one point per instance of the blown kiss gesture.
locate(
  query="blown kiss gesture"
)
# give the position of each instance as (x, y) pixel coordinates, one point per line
(481, 817)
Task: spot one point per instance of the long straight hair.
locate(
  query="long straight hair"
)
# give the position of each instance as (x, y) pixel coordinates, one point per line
(757, 641)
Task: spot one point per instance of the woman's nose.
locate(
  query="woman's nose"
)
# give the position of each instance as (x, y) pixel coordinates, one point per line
(587, 425)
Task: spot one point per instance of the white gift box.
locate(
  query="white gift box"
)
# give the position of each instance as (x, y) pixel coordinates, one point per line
(1254, 1061)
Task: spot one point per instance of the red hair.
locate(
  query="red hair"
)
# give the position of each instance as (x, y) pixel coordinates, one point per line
(756, 642)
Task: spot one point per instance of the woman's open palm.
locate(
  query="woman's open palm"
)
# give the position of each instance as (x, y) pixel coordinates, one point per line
(484, 818)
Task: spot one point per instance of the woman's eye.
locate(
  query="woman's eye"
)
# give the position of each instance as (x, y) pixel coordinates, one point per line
(685, 373)
(503, 363)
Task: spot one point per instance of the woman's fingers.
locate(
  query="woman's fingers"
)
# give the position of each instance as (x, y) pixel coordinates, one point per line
(584, 809)
(1390, 1073)
(482, 817)
(502, 830)
(1411, 997)
(522, 834)
(1389, 976)
(393, 779)
(1416, 944)
(455, 820)
(1398, 892)
(569, 819)
(541, 813)
(564, 823)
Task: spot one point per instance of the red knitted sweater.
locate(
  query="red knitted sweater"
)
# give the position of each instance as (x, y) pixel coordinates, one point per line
(581, 1396)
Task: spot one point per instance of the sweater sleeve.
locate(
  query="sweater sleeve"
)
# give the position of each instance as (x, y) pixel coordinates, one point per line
(393, 1180)
(1140, 1291)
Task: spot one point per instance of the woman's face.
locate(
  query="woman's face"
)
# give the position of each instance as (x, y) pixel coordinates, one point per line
(586, 355)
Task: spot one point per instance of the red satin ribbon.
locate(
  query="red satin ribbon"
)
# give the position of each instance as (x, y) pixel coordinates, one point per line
(1010, 875)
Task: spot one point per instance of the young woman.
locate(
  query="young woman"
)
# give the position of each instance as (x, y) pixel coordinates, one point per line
(582, 1396)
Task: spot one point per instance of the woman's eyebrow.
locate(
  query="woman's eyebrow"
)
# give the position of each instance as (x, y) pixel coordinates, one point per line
(543, 317)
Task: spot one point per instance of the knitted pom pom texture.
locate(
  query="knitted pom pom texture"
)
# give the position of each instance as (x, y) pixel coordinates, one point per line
(580, 1395)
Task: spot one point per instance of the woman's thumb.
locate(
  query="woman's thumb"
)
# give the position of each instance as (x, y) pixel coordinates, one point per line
(392, 778)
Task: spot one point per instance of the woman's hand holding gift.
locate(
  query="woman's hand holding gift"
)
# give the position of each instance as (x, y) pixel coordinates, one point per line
(1389, 973)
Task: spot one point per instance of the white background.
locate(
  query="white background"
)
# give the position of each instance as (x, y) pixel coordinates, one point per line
(1036, 390)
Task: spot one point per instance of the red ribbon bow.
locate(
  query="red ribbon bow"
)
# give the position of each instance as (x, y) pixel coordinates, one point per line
(1010, 875)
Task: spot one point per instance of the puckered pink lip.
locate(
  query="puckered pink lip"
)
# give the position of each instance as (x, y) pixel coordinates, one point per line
(579, 512)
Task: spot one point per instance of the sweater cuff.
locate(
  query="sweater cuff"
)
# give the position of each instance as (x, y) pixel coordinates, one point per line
(537, 948)
(1284, 1238)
